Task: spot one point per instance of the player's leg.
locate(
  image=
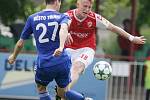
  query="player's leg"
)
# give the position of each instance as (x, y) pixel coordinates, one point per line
(80, 59)
(62, 80)
(61, 93)
(76, 70)
(43, 93)
(71, 95)
(42, 78)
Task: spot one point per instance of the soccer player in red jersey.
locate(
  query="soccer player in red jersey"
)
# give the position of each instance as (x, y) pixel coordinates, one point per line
(81, 42)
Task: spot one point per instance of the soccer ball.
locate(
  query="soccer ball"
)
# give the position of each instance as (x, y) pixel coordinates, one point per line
(102, 70)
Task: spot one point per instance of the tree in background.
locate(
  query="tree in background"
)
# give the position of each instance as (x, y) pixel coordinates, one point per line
(10, 10)
(143, 13)
(109, 8)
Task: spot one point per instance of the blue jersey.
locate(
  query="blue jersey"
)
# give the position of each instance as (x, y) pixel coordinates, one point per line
(45, 26)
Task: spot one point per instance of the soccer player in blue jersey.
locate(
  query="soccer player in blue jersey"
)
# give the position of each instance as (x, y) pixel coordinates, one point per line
(50, 29)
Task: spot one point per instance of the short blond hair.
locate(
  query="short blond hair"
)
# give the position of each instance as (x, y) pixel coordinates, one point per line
(92, 1)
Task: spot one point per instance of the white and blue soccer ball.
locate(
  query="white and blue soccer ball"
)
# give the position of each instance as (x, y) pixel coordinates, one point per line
(102, 70)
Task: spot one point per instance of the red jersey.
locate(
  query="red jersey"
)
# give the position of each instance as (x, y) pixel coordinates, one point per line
(83, 31)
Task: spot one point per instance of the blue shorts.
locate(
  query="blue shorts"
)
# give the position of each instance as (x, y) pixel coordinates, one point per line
(60, 73)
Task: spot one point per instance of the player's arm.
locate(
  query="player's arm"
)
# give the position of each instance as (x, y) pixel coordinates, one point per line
(120, 31)
(103, 23)
(69, 39)
(63, 33)
(17, 49)
(27, 31)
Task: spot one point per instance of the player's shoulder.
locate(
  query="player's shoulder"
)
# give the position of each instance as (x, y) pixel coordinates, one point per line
(70, 12)
(65, 15)
(92, 15)
(46, 13)
(95, 15)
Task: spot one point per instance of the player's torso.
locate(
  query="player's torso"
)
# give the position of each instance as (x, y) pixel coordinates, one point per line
(45, 29)
(46, 26)
(82, 31)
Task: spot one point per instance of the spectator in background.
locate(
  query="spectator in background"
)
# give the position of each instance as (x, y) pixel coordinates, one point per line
(147, 76)
(124, 43)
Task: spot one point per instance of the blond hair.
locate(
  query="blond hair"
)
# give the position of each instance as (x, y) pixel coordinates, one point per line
(92, 1)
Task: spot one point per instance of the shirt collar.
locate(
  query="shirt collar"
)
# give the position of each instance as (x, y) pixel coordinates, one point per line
(49, 10)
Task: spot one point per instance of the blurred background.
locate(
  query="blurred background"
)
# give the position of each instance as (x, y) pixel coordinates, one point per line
(128, 60)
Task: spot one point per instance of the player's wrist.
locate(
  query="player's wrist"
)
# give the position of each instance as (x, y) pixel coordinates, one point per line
(61, 47)
(69, 34)
(131, 37)
(14, 56)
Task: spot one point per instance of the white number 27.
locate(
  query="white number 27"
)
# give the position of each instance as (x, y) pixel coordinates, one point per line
(43, 26)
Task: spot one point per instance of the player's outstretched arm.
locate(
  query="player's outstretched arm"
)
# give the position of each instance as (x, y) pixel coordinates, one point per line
(17, 49)
(120, 31)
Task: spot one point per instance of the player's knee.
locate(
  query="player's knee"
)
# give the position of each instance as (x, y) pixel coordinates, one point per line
(41, 88)
(61, 94)
(77, 70)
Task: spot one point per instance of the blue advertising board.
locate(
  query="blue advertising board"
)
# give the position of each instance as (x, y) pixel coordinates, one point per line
(17, 80)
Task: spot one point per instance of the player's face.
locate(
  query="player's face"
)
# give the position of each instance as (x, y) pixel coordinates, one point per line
(84, 7)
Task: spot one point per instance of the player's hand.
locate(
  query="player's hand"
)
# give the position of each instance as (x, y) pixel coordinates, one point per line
(58, 51)
(11, 59)
(139, 40)
(69, 40)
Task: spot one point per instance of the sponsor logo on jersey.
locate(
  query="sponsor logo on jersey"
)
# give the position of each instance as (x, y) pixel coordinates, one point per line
(89, 24)
(80, 35)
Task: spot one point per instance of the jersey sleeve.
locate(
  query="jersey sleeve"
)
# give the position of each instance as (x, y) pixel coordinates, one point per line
(66, 14)
(27, 31)
(101, 22)
(65, 19)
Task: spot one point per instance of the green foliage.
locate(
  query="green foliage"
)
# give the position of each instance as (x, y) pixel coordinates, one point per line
(143, 13)
(6, 42)
(14, 9)
(110, 44)
(109, 8)
(31, 8)
(145, 30)
(67, 5)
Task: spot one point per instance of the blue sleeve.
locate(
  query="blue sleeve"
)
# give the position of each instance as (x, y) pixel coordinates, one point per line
(27, 31)
(65, 19)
